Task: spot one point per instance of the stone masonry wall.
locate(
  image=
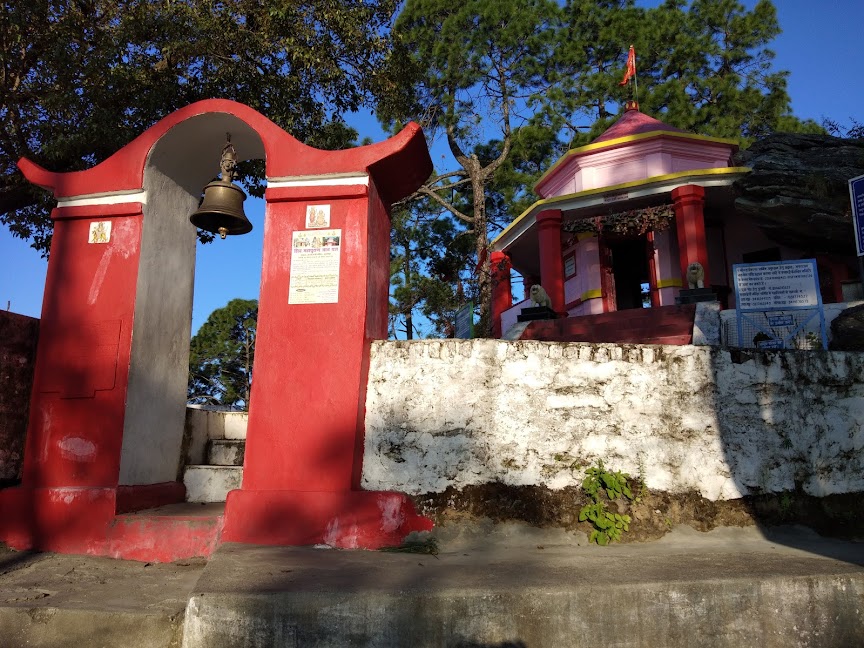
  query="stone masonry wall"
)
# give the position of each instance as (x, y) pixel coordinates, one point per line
(18, 336)
(724, 424)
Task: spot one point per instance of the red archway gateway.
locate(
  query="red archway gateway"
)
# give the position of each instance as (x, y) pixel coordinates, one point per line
(107, 409)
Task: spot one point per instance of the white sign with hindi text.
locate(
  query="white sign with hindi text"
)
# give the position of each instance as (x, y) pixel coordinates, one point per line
(315, 267)
(785, 284)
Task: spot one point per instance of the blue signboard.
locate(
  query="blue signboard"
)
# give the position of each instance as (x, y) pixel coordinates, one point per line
(856, 195)
(770, 344)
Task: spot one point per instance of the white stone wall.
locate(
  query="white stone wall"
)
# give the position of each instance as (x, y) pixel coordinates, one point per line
(460, 412)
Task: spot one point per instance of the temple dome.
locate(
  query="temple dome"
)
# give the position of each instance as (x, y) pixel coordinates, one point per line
(634, 122)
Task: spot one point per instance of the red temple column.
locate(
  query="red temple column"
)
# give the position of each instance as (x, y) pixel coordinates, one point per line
(551, 262)
(689, 205)
(502, 297)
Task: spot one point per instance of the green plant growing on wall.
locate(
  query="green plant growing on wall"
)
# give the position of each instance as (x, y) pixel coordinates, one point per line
(608, 526)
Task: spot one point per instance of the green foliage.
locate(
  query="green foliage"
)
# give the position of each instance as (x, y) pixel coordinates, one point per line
(786, 504)
(462, 70)
(855, 129)
(703, 66)
(427, 545)
(608, 527)
(428, 257)
(600, 483)
(615, 484)
(222, 354)
(82, 78)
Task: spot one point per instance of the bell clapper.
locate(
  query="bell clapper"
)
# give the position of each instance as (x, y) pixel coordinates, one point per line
(223, 232)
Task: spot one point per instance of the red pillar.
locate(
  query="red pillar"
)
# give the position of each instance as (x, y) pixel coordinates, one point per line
(502, 297)
(689, 205)
(551, 262)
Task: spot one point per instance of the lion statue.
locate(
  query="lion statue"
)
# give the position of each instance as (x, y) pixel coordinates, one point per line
(539, 297)
(695, 275)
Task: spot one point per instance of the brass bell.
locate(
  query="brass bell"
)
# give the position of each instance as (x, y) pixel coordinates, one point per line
(221, 209)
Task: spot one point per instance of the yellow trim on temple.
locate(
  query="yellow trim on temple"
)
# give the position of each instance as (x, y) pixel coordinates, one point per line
(551, 202)
(591, 294)
(627, 139)
(669, 283)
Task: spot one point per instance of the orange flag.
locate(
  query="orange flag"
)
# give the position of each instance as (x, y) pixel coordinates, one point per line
(631, 66)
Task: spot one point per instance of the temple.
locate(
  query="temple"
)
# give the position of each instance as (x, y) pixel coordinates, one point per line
(618, 223)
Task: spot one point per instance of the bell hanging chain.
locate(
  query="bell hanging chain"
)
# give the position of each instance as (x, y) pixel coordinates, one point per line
(228, 162)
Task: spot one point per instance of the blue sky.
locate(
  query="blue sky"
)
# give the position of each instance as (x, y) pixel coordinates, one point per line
(820, 46)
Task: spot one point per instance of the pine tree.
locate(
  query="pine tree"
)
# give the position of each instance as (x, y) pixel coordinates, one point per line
(221, 356)
(462, 69)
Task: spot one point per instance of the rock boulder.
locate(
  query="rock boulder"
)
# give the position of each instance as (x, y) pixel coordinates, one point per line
(847, 330)
(797, 192)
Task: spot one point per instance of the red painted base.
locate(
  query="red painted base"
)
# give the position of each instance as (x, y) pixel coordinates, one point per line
(65, 520)
(661, 325)
(165, 535)
(346, 519)
(83, 521)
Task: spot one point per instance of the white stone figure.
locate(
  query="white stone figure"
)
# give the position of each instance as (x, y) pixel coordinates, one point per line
(539, 297)
(695, 275)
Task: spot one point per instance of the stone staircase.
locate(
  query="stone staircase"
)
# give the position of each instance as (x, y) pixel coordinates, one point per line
(663, 325)
(215, 446)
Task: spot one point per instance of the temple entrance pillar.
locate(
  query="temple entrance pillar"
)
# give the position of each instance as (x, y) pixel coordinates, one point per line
(502, 295)
(551, 262)
(689, 204)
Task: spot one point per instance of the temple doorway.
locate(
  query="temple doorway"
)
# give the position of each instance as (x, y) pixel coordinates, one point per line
(630, 271)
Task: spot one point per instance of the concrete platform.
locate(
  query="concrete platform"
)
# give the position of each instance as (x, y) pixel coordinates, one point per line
(56, 601)
(525, 588)
(490, 586)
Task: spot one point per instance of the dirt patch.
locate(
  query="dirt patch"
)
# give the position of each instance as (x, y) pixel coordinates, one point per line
(653, 514)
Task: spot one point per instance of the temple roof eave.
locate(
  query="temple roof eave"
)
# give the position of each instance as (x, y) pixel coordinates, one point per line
(399, 164)
(619, 195)
(626, 140)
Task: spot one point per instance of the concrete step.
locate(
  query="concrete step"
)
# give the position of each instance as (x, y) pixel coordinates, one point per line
(210, 423)
(235, 425)
(731, 588)
(211, 483)
(181, 531)
(55, 601)
(226, 452)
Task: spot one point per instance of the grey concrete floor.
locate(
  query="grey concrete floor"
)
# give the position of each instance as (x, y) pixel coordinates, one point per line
(489, 586)
(511, 586)
(89, 602)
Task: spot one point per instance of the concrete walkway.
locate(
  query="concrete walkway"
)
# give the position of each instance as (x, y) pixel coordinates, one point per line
(86, 602)
(506, 586)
